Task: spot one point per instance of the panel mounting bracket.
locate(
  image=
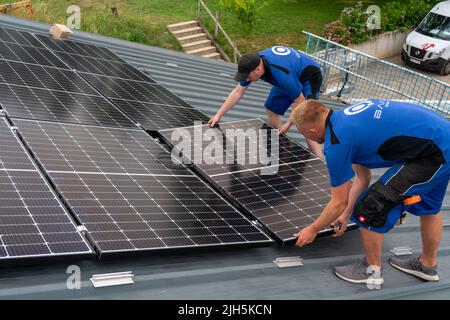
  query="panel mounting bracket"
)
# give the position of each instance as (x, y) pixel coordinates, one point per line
(402, 251)
(112, 279)
(284, 262)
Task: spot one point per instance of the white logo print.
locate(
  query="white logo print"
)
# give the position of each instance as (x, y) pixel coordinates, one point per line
(360, 107)
(281, 51)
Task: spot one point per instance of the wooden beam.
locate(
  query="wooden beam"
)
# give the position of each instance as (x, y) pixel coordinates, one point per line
(16, 5)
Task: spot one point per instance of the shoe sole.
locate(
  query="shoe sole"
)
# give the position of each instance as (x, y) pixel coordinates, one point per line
(417, 274)
(373, 281)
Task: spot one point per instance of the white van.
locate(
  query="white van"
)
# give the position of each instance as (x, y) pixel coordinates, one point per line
(428, 46)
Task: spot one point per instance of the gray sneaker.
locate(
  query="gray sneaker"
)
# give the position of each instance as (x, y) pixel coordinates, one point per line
(416, 268)
(359, 272)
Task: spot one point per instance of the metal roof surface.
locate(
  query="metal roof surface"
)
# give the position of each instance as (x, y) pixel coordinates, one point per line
(232, 273)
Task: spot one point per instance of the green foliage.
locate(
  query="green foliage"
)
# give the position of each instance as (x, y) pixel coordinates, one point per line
(335, 31)
(243, 10)
(395, 15)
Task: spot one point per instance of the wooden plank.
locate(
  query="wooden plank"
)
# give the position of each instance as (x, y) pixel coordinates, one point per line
(16, 5)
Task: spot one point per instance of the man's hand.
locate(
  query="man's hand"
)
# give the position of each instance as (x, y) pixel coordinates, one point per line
(285, 128)
(340, 225)
(214, 121)
(306, 236)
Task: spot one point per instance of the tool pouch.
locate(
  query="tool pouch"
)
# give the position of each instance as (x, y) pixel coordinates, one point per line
(373, 207)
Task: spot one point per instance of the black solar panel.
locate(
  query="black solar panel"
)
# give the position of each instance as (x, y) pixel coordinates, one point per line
(44, 93)
(284, 200)
(93, 59)
(19, 37)
(124, 89)
(16, 52)
(79, 48)
(32, 221)
(124, 188)
(22, 74)
(156, 117)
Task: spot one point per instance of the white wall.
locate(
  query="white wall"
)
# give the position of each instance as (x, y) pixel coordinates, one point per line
(383, 46)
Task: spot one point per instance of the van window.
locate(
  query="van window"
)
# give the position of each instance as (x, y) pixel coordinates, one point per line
(436, 26)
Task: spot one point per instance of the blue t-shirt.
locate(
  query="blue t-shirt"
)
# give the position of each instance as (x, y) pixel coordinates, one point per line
(380, 133)
(285, 67)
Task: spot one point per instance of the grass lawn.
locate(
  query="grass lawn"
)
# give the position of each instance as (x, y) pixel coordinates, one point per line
(277, 21)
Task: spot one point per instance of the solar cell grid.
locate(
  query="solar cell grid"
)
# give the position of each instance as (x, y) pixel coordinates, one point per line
(63, 147)
(19, 37)
(79, 48)
(155, 117)
(32, 221)
(29, 54)
(42, 104)
(117, 88)
(284, 201)
(115, 184)
(30, 75)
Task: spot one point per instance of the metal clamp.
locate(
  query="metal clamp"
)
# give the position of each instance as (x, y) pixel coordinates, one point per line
(285, 262)
(112, 279)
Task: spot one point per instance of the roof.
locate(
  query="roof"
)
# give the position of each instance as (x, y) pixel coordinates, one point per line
(231, 273)
(442, 8)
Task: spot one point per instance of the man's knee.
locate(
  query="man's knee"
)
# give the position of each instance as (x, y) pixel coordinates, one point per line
(373, 208)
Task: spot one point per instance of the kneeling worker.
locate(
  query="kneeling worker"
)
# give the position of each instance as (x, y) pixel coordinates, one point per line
(410, 140)
(295, 77)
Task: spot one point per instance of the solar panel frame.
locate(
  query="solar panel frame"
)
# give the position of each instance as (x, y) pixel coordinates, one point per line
(33, 222)
(275, 208)
(113, 201)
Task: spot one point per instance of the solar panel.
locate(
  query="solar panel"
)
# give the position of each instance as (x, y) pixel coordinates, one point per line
(147, 103)
(79, 48)
(156, 117)
(45, 93)
(32, 221)
(285, 200)
(116, 88)
(125, 190)
(19, 37)
(93, 59)
(29, 54)
(30, 75)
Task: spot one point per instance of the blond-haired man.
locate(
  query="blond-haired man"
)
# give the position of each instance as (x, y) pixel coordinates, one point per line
(410, 140)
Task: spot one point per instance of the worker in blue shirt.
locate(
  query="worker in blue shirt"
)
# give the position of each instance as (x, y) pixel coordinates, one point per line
(294, 76)
(414, 143)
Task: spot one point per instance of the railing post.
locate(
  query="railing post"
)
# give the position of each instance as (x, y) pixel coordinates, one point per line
(199, 10)
(216, 24)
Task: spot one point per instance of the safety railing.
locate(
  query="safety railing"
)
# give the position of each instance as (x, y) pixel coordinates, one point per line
(217, 28)
(354, 76)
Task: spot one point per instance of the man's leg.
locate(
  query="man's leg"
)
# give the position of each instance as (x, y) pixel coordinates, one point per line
(274, 119)
(373, 244)
(431, 228)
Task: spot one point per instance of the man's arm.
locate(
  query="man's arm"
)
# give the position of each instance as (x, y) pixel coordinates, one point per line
(288, 124)
(360, 184)
(232, 99)
(334, 208)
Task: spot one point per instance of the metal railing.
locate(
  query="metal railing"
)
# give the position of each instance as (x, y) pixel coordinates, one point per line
(217, 27)
(354, 76)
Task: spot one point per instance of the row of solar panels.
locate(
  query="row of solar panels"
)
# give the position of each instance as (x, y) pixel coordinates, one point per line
(78, 173)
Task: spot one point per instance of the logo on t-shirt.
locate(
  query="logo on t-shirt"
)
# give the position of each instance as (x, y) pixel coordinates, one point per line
(358, 108)
(281, 51)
